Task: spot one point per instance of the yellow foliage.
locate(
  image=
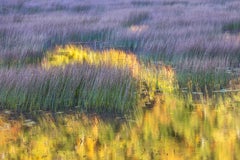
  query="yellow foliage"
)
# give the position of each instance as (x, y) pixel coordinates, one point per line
(72, 54)
(155, 76)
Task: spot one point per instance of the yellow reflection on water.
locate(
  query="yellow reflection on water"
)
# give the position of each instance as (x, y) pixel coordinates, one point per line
(172, 129)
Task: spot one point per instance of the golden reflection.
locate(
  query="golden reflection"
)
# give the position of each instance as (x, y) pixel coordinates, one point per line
(172, 129)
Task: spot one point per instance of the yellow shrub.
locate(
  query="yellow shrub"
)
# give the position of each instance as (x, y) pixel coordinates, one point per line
(155, 76)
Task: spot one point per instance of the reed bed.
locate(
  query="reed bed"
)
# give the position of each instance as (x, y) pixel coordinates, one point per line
(80, 78)
(81, 87)
(193, 36)
(155, 75)
(193, 46)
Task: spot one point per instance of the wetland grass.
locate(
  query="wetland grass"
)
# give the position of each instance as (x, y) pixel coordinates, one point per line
(84, 86)
(200, 39)
(170, 28)
(76, 77)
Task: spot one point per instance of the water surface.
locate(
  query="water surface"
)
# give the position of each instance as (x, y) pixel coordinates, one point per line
(174, 128)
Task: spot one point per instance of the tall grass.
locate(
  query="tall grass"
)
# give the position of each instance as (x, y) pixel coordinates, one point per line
(153, 74)
(76, 77)
(173, 28)
(82, 87)
(199, 38)
(180, 33)
(177, 33)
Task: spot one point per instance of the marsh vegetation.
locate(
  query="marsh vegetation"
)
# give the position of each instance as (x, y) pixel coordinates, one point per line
(122, 79)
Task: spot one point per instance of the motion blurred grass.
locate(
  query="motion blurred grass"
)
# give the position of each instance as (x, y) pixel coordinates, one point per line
(80, 78)
(80, 87)
(164, 46)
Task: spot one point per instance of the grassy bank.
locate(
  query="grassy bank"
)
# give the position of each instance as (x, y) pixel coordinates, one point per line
(80, 78)
(77, 77)
(80, 86)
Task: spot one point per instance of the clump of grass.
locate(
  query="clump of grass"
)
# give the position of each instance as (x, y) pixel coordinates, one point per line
(84, 86)
(70, 76)
(156, 76)
(204, 81)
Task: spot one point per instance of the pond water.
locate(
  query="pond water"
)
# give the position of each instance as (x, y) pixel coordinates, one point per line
(174, 128)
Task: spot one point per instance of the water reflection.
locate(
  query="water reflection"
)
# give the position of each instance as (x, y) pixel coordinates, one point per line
(174, 128)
